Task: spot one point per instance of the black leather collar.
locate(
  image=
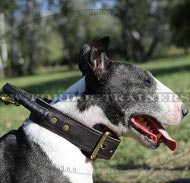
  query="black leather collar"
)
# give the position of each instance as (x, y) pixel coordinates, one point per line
(93, 143)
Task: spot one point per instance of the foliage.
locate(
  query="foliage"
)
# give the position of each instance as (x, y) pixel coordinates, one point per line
(42, 33)
(180, 24)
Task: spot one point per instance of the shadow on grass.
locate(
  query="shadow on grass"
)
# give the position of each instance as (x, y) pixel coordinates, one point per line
(180, 181)
(139, 167)
(101, 181)
(170, 70)
(124, 169)
(51, 87)
(56, 71)
(173, 56)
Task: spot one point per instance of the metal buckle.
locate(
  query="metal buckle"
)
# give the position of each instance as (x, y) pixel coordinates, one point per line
(99, 145)
(8, 100)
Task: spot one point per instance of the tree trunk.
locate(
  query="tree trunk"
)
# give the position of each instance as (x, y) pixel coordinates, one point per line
(1, 68)
(125, 42)
(156, 33)
(40, 36)
(67, 53)
(14, 47)
(31, 43)
(154, 43)
(66, 49)
(138, 49)
(125, 34)
(3, 45)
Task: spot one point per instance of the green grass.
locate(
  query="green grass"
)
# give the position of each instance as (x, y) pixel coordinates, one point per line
(128, 163)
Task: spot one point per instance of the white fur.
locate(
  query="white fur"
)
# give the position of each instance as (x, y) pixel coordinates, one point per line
(170, 105)
(64, 155)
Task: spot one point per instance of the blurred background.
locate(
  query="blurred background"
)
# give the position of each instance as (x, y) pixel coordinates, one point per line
(39, 48)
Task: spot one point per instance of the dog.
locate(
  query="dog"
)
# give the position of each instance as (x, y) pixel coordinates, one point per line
(121, 96)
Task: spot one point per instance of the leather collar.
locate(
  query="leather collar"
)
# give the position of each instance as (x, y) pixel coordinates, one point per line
(93, 143)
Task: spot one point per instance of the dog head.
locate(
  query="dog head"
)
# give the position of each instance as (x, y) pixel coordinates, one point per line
(135, 103)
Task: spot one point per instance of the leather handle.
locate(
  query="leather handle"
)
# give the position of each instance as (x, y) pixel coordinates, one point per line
(26, 99)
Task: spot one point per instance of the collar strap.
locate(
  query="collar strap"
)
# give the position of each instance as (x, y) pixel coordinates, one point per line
(93, 143)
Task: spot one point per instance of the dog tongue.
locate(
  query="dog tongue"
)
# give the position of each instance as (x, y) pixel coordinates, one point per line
(167, 140)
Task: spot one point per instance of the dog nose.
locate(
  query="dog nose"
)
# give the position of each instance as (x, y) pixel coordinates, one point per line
(184, 110)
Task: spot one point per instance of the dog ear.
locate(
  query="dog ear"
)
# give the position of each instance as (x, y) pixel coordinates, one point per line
(93, 57)
(84, 58)
(98, 59)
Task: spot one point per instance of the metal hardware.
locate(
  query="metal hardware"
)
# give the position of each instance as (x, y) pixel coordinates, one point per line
(53, 120)
(66, 128)
(8, 100)
(100, 145)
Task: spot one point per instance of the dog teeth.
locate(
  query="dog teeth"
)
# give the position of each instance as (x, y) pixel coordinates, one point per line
(159, 135)
(141, 118)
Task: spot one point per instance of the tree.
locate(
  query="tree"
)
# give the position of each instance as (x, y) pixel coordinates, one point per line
(180, 24)
(8, 10)
(26, 10)
(70, 27)
(34, 22)
(138, 26)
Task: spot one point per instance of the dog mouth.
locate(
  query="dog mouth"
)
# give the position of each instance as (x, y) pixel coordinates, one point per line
(153, 130)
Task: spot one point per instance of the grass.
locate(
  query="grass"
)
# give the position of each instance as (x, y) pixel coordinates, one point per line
(131, 162)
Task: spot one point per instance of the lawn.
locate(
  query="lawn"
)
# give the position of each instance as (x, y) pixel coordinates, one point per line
(131, 162)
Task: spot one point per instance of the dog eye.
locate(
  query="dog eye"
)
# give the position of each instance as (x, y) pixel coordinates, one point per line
(147, 80)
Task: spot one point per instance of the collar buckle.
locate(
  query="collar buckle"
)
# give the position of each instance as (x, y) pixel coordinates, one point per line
(8, 100)
(100, 145)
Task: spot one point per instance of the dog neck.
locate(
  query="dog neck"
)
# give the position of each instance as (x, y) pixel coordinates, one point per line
(63, 154)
